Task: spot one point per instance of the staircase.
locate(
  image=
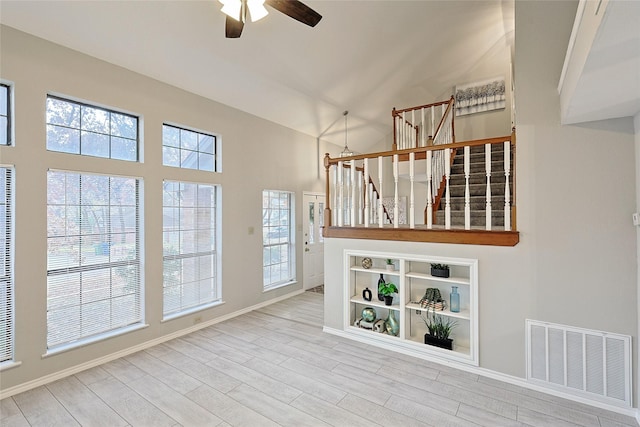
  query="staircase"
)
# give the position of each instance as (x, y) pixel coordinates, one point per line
(477, 188)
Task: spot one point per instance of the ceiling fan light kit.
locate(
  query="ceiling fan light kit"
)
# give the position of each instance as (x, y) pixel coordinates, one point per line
(236, 11)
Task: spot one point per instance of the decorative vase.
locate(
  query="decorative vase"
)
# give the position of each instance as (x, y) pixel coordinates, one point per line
(369, 314)
(390, 267)
(437, 272)
(366, 294)
(367, 263)
(380, 283)
(392, 325)
(446, 343)
(454, 300)
(388, 299)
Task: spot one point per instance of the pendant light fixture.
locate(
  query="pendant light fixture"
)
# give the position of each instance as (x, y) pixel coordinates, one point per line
(346, 152)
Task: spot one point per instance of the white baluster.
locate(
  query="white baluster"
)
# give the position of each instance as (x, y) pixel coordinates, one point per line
(429, 194)
(423, 128)
(433, 121)
(412, 203)
(360, 208)
(414, 144)
(340, 194)
(487, 161)
(380, 207)
(447, 173)
(395, 191)
(404, 130)
(467, 194)
(367, 197)
(334, 193)
(352, 172)
(507, 190)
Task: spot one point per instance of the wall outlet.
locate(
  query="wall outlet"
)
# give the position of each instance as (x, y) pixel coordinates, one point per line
(636, 219)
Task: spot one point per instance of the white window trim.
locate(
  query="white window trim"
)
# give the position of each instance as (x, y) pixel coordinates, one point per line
(291, 245)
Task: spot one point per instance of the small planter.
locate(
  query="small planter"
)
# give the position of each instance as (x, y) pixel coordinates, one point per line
(390, 267)
(388, 299)
(436, 272)
(437, 342)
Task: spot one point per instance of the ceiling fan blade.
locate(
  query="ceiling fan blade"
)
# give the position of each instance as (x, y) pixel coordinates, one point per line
(296, 10)
(233, 28)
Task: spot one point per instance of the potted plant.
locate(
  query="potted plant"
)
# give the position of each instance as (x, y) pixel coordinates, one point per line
(440, 270)
(440, 328)
(387, 290)
(390, 265)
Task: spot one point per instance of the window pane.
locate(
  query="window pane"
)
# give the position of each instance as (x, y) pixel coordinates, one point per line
(188, 149)
(6, 266)
(92, 256)
(4, 98)
(91, 131)
(189, 246)
(4, 130)
(277, 237)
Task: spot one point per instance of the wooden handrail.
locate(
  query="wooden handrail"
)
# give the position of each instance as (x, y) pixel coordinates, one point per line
(435, 104)
(444, 116)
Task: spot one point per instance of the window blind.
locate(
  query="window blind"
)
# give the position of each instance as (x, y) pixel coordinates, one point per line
(190, 278)
(277, 237)
(93, 256)
(6, 265)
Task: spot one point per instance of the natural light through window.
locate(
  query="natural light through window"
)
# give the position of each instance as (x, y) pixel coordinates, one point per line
(94, 272)
(188, 149)
(190, 265)
(5, 114)
(6, 265)
(77, 128)
(277, 238)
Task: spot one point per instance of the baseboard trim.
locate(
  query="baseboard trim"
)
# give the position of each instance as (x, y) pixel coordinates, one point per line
(510, 379)
(20, 388)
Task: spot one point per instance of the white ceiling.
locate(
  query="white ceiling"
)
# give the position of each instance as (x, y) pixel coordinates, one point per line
(364, 56)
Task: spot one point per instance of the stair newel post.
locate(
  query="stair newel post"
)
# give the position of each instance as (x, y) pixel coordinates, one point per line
(429, 210)
(507, 190)
(380, 207)
(365, 180)
(467, 194)
(447, 197)
(487, 161)
(352, 175)
(395, 192)
(340, 184)
(412, 203)
(327, 187)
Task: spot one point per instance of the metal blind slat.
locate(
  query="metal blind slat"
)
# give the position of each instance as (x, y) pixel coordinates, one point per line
(6, 264)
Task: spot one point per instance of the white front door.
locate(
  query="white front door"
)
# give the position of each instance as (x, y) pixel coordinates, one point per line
(313, 221)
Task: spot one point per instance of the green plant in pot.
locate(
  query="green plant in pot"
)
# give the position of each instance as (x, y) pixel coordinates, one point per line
(440, 328)
(387, 290)
(389, 265)
(440, 270)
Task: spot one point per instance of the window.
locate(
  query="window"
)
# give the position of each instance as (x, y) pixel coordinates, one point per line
(93, 256)
(188, 149)
(277, 238)
(78, 128)
(190, 264)
(5, 114)
(6, 265)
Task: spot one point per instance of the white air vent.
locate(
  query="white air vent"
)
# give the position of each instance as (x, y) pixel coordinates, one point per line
(594, 364)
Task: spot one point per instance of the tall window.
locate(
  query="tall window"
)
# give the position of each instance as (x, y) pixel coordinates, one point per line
(93, 256)
(190, 267)
(277, 238)
(6, 265)
(188, 149)
(5, 114)
(77, 128)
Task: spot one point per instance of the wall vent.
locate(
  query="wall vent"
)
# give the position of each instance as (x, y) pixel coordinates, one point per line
(594, 364)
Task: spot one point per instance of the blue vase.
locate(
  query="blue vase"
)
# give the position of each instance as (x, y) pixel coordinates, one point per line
(454, 300)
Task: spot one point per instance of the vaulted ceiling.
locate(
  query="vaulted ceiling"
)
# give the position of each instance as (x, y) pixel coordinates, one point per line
(364, 56)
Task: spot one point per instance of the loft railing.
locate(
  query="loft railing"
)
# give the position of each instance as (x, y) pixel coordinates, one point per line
(423, 125)
(408, 177)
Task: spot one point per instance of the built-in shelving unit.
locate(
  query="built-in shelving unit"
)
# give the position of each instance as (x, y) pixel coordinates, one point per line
(412, 277)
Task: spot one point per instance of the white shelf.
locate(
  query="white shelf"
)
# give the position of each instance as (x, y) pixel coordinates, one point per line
(375, 270)
(426, 276)
(411, 277)
(462, 314)
(374, 303)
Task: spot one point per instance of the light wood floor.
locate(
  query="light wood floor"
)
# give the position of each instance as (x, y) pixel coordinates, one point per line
(275, 366)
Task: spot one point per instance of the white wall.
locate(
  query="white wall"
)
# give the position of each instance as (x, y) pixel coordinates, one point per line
(257, 155)
(576, 261)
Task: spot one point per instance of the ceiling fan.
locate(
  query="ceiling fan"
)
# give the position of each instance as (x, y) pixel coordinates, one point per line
(237, 10)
